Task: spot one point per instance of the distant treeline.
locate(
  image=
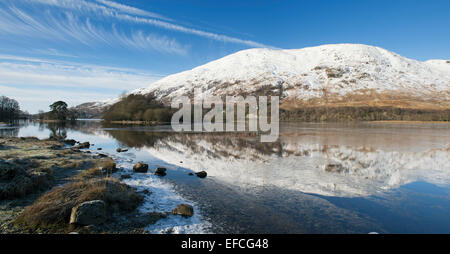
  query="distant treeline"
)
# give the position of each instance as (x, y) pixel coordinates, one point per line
(318, 114)
(147, 109)
(9, 109)
(135, 107)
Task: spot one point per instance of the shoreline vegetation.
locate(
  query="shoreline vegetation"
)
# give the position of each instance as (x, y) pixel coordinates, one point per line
(343, 114)
(146, 110)
(44, 182)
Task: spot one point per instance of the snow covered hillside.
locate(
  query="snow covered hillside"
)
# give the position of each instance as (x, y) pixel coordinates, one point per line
(341, 74)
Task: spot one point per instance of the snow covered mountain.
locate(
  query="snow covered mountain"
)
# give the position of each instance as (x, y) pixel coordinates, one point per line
(340, 74)
(90, 110)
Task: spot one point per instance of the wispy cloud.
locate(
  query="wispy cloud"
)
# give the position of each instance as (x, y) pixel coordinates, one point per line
(183, 29)
(70, 28)
(131, 14)
(50, 27)
(132, 10)
(25, 71)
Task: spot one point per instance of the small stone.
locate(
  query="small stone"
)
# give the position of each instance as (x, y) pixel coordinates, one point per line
(201, 174)
(71, 142)
(334, 168)
(184, 210)
(120, 150)
(160, 171)
(140, 167)
(84, 145)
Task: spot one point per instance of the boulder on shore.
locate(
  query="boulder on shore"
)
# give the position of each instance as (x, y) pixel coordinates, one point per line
(184, 210)
(140, 167)
(160, 171)
(89, 213)
(201, 174)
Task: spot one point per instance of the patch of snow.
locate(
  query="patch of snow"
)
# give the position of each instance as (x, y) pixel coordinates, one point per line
(163, 198)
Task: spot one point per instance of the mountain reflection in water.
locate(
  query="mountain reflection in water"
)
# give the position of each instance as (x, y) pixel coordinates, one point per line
(317, 178)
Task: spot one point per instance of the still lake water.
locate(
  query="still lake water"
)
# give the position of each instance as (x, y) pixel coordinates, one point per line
(317, 178)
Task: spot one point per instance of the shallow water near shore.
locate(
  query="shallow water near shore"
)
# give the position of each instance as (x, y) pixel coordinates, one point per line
(317, 178)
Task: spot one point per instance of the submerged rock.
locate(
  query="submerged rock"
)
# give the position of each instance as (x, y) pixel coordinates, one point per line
(184, 210)
(201, 174)
(140, 167)
(160, 171)
(89, 213)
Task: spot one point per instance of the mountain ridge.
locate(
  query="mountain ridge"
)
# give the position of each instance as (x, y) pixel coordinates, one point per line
(334, 74)
(352, 81)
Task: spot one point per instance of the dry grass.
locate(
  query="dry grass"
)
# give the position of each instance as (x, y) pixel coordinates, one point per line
(102, 168)
(52, 210)
(372, 98)
(21, 177)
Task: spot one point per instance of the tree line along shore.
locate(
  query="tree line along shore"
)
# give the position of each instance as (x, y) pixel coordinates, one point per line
(146, 110)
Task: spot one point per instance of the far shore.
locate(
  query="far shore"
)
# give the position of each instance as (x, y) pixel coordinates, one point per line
(154, 123)
(408, 122)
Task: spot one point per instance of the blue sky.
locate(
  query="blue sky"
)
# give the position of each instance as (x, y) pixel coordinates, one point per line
(89, 50)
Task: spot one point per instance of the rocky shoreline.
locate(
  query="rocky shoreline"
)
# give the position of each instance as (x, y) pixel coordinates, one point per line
(59, 186)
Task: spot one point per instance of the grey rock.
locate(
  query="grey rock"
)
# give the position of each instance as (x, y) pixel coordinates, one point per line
(140, 167)
(89, 213)
(160, 171)
(201, 174)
